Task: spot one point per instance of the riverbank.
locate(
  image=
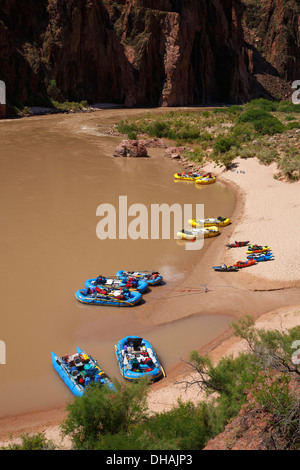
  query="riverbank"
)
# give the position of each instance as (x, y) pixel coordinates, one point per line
(272, 287)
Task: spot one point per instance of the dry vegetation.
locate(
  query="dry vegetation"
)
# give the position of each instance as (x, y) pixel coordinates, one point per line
(264, 129)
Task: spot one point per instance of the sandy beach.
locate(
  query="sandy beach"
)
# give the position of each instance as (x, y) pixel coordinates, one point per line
(267, 213)
(270, 217)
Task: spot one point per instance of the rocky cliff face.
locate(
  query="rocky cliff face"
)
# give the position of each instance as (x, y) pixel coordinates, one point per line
(272, 36)
(136, 52)
(275, 32)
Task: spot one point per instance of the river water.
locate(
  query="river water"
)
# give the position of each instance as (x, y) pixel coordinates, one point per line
(55, 171)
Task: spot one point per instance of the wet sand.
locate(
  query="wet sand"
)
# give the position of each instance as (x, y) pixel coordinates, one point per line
(258, 290)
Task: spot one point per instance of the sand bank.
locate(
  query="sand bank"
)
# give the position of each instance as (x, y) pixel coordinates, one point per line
(267, 213)
(270, 216)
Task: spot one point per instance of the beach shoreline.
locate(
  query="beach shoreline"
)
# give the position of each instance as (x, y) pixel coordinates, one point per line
(280, 297)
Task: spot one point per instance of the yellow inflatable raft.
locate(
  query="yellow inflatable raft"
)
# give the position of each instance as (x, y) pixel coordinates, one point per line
(209, 222)
(192, 234)
(206, 180)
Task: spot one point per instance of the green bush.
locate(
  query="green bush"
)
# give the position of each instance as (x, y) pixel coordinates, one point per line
(188, 426)
(267, 156)
(243, 132)
(185, 427)
(223, 144)
(231, 110)
(290, 118)
(125, 127)
(253, 115)
(288, 107)
(273, 392)
(262, 121)
(132, 135)
(31, 442)
(102, 411)
(158, 129)
(262, 103)
(229, 379)
(290, 166)
(247, 152)
(197, 155)
(268, 126)
(293, 125)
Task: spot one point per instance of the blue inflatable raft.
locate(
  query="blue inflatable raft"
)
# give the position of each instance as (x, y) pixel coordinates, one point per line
(130, 283)
(153, 278)
(110, 297)
(80, 370)
(137, 359)
(262, 256)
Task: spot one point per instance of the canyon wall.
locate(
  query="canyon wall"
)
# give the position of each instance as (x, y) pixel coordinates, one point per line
(132, 52)
(275, 32)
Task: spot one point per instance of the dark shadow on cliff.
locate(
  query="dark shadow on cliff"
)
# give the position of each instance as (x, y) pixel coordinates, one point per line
(265, 79)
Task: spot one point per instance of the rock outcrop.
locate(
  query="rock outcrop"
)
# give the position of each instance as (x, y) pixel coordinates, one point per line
(257, 428)
(135, 52)
(130, 148)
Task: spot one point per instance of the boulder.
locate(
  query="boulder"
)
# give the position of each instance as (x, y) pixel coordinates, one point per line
(130, 148)
(175, 152)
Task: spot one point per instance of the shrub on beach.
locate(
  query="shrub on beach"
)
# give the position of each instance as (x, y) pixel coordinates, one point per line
(267, 155)
(290, 166)
(186, 426)
(102, 411)
(132, 135)
(262, 121)
(197, 155)
(269, 126)
(125, 127)
(223, 144)
(243, 132)
(230, 110)
(262, 103)
(31, 442)
(252, 115)
(158, 129)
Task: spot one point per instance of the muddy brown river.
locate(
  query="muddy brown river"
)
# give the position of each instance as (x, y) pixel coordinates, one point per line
(55, 171)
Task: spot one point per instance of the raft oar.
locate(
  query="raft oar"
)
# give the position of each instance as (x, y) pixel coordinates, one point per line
(116, 287)
(114, 298)
(141, 271)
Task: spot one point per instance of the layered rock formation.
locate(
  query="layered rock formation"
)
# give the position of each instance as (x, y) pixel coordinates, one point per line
(273, 28)
(132, 52)
(272, 38)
